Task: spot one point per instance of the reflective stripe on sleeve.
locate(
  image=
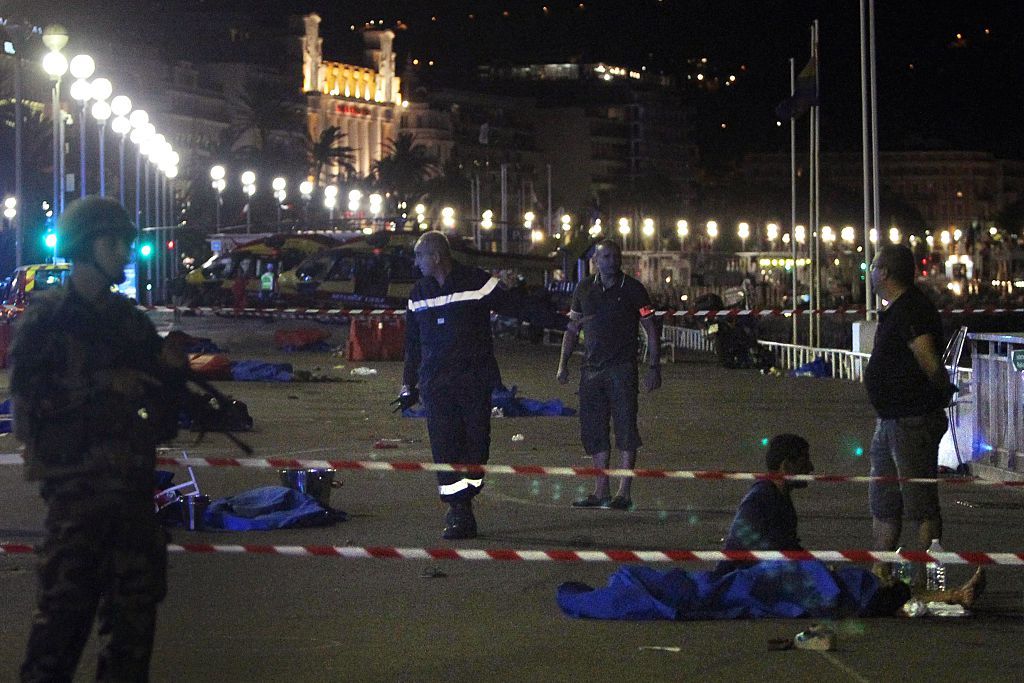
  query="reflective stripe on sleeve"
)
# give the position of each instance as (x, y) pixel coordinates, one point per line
(455, 297)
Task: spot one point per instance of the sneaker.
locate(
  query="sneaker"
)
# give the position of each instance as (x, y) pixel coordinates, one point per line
(592, 501)
(459, 522)
(620, 503)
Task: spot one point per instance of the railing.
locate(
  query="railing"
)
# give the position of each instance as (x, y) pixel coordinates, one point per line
(999, 389)
(843, 364)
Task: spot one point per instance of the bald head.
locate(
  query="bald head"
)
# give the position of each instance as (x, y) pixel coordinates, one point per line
(433, 255)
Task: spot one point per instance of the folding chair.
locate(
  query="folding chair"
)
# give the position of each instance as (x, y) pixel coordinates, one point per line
(162, 499)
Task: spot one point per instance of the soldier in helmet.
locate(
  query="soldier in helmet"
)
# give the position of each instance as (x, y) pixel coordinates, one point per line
(86, 389)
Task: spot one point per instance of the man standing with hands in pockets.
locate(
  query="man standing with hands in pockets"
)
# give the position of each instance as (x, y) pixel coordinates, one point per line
(608, 307)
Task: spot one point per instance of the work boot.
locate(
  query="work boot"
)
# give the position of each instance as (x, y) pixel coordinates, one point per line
(459, 522)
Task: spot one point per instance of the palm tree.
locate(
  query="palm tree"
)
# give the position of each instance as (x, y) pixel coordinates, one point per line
(328, 151)
(405, 168)
(265, 107)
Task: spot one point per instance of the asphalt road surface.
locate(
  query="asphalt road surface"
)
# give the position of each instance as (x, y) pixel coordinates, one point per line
(249, 617)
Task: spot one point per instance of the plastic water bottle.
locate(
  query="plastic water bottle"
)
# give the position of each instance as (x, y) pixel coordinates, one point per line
(936, 571)
(903, 571)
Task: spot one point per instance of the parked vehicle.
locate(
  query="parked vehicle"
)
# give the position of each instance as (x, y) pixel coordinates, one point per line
(17, 288)
(211, 284)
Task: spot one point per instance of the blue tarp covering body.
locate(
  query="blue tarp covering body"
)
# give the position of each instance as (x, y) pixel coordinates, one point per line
(260, 371)
(513, 406)
(764, 590)
(818, 367)
(268, 507)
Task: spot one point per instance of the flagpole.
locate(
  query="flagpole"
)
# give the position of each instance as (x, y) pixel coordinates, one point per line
(811, 228)
(866, 161)
(817, 183)
(877, 213)
(792, 192)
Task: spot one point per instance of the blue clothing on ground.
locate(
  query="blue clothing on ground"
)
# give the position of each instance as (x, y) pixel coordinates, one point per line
(765, 590)
(261, 371)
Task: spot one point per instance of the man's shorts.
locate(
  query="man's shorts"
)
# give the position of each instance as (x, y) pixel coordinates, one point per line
(906, 447)
(609, 394)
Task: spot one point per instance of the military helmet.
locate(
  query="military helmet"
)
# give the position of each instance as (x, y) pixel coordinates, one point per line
(88, 218)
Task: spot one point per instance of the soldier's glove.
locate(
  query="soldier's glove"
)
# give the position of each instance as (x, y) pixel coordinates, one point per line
(407, 399)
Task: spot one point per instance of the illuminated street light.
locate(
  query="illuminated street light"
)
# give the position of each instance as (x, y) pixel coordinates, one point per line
(800, 234)
(528, 219)
(828, 235)
(873, 236)
(354, 197)
(848, 234)
(648, 227)
(712, 229)
(280, 194)
(536, 236)
(682, 229)
(487, 219)
(448, 217)
(596, 228)
(772, 232)
(101, 112)
(957, 234)
(894, 235)
(743, 231)
(624, 228)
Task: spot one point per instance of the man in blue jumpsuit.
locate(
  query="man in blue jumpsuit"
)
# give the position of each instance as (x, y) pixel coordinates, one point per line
(449, 361)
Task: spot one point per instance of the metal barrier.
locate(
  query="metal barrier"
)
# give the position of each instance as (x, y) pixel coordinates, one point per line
(843, 364)
(685, 338)
(997, 361)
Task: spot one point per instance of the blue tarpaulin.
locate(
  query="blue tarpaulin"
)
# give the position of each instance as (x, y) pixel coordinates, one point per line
(261, 371)
(818, 367)
(268, 507)
(5, 423)
(763, 590)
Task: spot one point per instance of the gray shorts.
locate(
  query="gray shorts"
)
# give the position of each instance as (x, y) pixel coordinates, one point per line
(609, 394)
(906, 447)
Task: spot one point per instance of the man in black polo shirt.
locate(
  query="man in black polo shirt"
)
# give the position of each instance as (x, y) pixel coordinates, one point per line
(608, 307)
(449, 356)
(909, 389)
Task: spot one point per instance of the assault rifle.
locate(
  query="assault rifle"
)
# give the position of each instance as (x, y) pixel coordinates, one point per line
(208, 410)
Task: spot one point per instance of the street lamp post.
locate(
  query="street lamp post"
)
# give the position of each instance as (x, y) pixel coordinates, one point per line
(306, 190)
(55, 65)
(121, 107)
(218, 183)
(743, 232)
(139, 120)
(279, 184)
(712, 230)
(330, 199)
(81, 68)
(101, 90)
(249, 187)
(10, 209)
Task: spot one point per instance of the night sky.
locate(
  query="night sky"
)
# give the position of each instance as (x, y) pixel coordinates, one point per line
(935, 90)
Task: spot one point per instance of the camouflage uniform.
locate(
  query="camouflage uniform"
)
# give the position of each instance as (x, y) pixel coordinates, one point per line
(94, 452)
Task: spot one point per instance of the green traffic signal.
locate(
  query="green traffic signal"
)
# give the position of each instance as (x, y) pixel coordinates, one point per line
(146, 250)
(50, 240)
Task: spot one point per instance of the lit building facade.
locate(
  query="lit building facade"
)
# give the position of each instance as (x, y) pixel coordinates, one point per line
(361, 101)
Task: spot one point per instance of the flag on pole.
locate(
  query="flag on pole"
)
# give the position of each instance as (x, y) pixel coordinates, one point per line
(804, 97)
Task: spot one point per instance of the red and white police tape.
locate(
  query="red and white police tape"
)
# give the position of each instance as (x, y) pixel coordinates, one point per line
(541, 470)
(343, 312)
(625, 556)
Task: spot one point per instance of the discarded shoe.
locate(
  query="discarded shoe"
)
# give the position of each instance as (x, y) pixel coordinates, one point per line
(815, 638)
(620, 503)
(592, 501)
(459, 522)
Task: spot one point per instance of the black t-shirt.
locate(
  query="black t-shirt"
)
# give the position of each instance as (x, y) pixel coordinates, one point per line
(610, 337)
(896, 384)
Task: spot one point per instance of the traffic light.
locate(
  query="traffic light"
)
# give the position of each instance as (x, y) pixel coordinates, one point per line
(146, 250)
(50, 240)
(170, 245)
